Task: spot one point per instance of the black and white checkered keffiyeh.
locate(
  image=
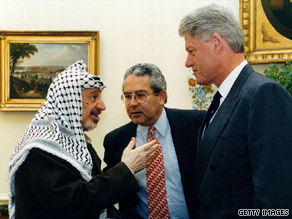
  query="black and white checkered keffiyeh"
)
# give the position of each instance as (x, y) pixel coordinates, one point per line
(57, 126)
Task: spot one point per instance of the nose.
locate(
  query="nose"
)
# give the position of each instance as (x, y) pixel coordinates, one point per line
(100, 104)
(189, 63)
(133, 101)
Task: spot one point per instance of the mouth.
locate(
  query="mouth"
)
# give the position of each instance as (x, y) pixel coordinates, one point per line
(95, 116)
(195, 72)
(135, 114)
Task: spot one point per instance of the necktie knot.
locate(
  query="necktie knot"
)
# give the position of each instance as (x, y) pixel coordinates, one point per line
(151, 129)
(216, 101)
(151, 133)
(212, 109)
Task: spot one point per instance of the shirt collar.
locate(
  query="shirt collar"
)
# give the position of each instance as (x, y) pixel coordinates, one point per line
(160, 125)
(229, 81)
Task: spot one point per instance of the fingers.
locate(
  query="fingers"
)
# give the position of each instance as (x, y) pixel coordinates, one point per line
(144, 147)
(149, 153)
(131, 144)
(148, 145)
(153, 149)
(139, 158)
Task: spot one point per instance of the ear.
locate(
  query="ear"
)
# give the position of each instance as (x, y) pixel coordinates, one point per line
(217, 42)
(162, 97)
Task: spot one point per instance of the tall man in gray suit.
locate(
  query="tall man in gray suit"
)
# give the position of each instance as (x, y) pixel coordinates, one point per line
(244, 156)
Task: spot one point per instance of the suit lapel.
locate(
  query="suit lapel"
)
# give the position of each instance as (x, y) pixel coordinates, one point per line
(128, 133)
(213, 133)
(175, 127)
(214, 130)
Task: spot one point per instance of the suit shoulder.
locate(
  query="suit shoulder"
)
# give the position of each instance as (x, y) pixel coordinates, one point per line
(260, 83)
(37, 153)
(121, 130)
(259, 78)
(185, 117)
(44, 159)
(186, 113)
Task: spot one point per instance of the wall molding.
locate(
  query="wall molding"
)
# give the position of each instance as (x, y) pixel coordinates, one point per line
(3, 198)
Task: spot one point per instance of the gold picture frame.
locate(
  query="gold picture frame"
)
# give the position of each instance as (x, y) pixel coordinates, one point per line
(41, 55)
(267, 39)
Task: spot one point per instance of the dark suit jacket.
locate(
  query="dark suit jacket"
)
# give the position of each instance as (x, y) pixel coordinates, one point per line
(47, 186)
(244, 160)
(184, 129)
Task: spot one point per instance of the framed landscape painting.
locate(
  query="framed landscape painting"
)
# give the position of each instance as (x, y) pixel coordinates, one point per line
(267, 26)
(30, 60)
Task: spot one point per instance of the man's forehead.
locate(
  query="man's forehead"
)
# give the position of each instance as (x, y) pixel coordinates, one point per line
(133, 83)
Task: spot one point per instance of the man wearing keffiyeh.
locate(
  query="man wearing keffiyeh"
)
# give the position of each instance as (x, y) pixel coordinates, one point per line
(54, 171)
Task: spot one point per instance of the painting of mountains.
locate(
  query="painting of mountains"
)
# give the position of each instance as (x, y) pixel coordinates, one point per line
(34, 66)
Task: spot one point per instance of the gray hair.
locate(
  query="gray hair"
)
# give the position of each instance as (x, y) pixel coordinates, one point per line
(214, 18)
(157, 80)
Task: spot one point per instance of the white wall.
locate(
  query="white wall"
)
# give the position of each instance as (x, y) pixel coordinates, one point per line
(131, 31)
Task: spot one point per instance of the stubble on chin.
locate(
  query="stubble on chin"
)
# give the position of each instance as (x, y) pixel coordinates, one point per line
(89, 126)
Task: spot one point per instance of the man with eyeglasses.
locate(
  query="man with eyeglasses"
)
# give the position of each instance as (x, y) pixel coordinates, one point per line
(144, 95)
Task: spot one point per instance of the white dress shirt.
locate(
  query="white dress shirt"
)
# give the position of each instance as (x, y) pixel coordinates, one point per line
(226, 85)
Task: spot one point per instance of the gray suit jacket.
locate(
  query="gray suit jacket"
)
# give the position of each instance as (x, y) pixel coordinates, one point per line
(245, 157)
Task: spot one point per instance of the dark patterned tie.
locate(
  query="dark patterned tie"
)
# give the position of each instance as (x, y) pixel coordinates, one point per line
(212, 109)
(156, 187)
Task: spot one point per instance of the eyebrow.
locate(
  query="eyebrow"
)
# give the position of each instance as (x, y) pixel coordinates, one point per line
(94, 91)
(135, 91)
(190, 48)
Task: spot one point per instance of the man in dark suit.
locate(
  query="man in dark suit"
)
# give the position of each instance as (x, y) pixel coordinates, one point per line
(244, 155)
(144, 94)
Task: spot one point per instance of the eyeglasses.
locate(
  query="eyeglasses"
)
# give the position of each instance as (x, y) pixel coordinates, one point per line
(140, 97)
